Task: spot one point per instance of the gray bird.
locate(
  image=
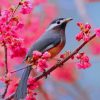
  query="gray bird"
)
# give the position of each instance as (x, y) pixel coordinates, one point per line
(53, 41)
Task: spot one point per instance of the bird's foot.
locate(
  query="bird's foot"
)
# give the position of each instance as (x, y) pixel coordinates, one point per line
(59, 61)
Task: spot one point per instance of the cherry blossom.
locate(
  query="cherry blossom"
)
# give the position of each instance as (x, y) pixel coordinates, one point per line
(83, 61)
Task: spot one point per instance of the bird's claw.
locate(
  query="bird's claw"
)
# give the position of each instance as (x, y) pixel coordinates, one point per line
(59, 61)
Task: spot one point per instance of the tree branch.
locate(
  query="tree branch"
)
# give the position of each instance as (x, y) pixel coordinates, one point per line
(63, 61)
(60, 63)
(6, 68)
(6, 88)
(6, 58)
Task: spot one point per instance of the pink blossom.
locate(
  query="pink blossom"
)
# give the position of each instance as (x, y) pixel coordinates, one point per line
(79, 36)
(85, 58)
(83, 61)
(42, 65)
(32, 85)
(19, 26)
(46, 55)
(30, 97)
(5, 15)
(83, 65)
(87, 26)
(6, 79)
(18, 52)
(62, 56)
(36, 55)
(26, 7)
(86, 37)
(79, 24)
(9, 33)
(97, 32)
(84, 33)
(66, 54)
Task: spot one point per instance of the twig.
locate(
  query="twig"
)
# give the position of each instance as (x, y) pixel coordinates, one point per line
(13, 12)
(6, 68)
(18, 69)
(6, 62)
(6, 88)
(10, 97)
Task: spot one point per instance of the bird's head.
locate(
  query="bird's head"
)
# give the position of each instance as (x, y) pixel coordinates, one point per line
(58, 24)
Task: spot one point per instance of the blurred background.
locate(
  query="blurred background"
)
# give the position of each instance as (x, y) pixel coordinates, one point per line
(68, 82)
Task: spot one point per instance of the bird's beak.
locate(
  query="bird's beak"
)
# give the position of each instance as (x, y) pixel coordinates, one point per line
(67, 20)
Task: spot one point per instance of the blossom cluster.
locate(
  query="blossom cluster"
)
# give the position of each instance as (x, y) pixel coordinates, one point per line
(9, 33)
(26, 6)
(6, 79)
(32, 86)
(39, 60)
(84, 33)
(83, 61)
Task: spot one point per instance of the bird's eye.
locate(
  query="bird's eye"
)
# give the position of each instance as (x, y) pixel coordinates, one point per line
(58, 22)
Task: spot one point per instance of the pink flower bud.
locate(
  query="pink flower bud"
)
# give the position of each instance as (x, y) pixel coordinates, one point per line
(79, 36)
(85, 58)
(42, 65)
(86, 65)
(30, 97)
(79, 24)
(83, 65)
(78, 56)
(87, 26)
(32, 85)
(26, 7)
(46, 55)
(86, 37)
(36, 55)
(19, 26)
(62, 56)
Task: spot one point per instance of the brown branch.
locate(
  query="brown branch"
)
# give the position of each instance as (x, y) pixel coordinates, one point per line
(10, 97)
(59, 64)
(63, 61)
(14, 12)
(5, 58)
(6, 88)
(6, 68)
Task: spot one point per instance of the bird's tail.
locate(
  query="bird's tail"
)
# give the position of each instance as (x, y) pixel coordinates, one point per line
(22, 87)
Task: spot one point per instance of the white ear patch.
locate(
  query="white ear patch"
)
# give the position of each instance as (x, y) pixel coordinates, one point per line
(54, 25)
(51, 26)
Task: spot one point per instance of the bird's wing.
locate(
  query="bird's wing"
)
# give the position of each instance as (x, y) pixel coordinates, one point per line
(44, 44)
(52, 43)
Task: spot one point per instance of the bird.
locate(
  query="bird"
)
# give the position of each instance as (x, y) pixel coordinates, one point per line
(53, 41)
